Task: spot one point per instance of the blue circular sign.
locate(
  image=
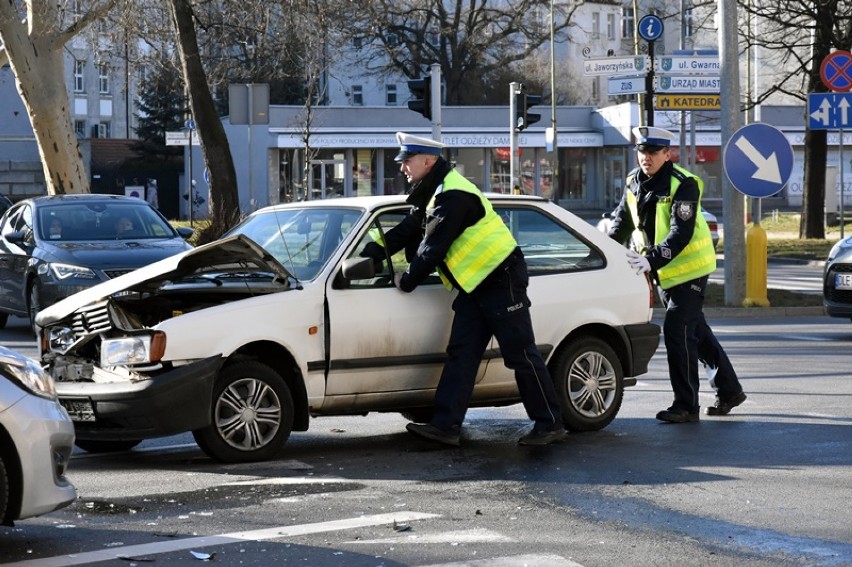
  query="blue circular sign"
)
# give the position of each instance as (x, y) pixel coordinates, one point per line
(650, 27)
(758, 160)
(190, 124)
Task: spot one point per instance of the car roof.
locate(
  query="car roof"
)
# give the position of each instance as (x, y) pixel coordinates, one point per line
(377, 201)
(93, 197)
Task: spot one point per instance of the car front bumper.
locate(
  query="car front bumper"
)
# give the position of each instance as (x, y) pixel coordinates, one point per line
(44, 438)
(165, 404)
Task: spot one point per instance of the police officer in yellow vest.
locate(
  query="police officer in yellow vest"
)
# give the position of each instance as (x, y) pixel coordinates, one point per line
(453, 228)
(661, 211)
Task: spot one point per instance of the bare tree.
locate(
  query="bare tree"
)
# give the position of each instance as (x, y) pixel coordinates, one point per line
(224, 202)
(795, 36)
(472, 40)
(33, 36)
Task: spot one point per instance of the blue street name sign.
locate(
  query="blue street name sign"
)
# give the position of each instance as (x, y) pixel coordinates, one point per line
(829, 111)
(758, 160)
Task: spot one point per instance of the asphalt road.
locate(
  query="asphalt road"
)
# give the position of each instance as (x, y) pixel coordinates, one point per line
(766, 486)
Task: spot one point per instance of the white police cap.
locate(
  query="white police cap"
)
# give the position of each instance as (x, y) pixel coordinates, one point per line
(652, 138)
(412, 145)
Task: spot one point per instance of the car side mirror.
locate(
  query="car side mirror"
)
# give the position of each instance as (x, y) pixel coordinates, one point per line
(358, 268)
(17, 237)
(185, 232)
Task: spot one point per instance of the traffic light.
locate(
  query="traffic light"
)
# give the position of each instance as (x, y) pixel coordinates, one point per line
(523, 101)
(421, 96)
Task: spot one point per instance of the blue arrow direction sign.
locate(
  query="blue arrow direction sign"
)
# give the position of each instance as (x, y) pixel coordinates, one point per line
(758, 160)
(829, 111)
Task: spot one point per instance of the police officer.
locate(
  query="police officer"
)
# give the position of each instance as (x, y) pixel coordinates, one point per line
(661, 211)
(453, 228)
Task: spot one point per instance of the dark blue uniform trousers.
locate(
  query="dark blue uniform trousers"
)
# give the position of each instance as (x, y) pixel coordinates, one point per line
(689, 339)
(499, 306)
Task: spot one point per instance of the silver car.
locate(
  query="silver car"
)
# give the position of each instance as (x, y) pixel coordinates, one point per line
(36, 440)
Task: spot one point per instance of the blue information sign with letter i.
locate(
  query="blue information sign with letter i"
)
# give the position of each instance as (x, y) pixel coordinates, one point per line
(650, 27)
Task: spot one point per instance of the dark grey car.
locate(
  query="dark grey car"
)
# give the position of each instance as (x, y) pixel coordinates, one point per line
(54, 246)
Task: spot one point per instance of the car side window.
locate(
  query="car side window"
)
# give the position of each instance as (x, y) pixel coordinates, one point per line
(399, 263)
(549, 247)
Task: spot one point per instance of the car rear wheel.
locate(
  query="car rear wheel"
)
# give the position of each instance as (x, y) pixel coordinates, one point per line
(252, 412)
(95, 446)
(589, 383)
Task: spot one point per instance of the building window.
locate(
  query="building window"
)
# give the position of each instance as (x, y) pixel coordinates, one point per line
(610, 27)
(688, 28)
(103, 78)
(80, 128)
(390, 95)
(105, 129)
(79, 66)
(628, 26)
(596, 25)
(357, 95)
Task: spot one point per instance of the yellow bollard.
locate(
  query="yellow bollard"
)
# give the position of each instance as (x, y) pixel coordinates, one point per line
(756, 267)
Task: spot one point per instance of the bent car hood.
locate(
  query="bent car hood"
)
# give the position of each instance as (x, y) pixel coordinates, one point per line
(231, 251)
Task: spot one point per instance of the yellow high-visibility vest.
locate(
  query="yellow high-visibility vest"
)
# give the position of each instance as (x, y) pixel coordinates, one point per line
(481, 247)
(698, 258)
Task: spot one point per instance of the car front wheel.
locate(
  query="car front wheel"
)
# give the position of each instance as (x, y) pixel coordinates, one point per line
(589, 383)
(34, 305)
(4, 491)
(252, 415)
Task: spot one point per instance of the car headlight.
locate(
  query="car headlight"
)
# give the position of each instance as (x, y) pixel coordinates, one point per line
(840, 248)
(134, 349)
(67, 271)
(27, 374)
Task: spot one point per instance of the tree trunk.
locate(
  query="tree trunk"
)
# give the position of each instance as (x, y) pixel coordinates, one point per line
(813, 195)
(224, 201)
(39, 69)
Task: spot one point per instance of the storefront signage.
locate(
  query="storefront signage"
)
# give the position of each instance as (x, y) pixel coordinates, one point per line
(688, 102)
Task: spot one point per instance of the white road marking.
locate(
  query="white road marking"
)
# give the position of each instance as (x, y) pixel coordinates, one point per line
(515, 561)
(462, 536)
(147, 549)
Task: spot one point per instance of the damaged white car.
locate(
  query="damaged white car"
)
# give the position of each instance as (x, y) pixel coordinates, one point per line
(248, 338)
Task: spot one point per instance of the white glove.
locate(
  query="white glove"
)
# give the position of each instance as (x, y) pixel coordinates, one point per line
(638, 262)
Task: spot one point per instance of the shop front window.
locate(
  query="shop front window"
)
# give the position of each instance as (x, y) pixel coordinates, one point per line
(572, 183)
(470, 163)
(500, 178)
(364, 172)
(395, 183)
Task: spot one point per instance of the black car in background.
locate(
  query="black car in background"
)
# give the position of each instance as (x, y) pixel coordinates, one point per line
(837, 280)
(54, 246)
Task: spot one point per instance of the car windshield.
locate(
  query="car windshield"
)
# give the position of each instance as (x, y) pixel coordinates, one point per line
(302, 240)
(73, 221)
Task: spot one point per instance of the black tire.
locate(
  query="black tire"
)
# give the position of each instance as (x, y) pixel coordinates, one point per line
(4, 492)
(95, 446)
(589, 383)
(252, 413)
(3, 318)
(419, 415)
(33, 305)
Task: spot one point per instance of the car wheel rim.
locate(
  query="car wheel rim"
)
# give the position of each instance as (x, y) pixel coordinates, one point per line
(591, 384)
(248, 414)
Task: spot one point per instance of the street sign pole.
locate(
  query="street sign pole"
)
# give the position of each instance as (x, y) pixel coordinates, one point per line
(649, 88)
(840, 149)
